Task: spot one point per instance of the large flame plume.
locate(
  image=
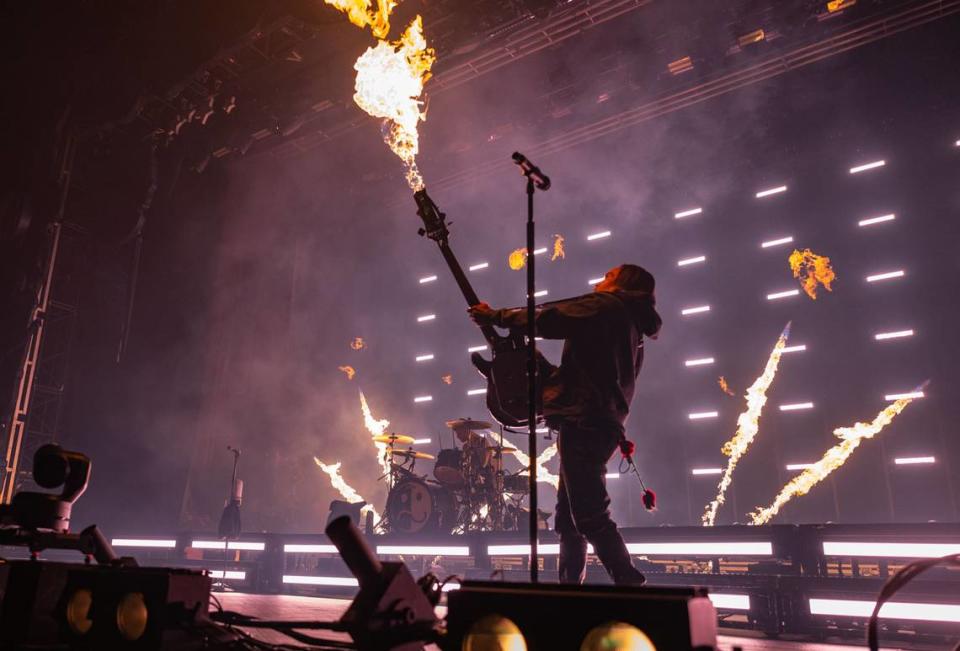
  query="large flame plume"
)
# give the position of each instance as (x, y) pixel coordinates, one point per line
(722, 383)
(558, 249)
(363, 15)
(376, 428)
(348, 370)
(543, 475)
(345, 489)
(812, 269)
(850, 439)
(748, 424)
(358, 344)
(517, 259)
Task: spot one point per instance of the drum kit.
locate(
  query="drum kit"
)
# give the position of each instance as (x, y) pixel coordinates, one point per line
(469, 490)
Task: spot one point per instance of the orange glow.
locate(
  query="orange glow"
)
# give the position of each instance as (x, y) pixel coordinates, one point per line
(358, 343)
(376, 428)
(447, 379)
(722, 381)
(518, 259)
(362, 14)
(349, 370)
(543, 475)
(834, 6)
(812, 269)
(558, 250)
(342, 487)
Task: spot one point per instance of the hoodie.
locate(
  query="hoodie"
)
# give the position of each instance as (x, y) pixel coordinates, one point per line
(602, 353)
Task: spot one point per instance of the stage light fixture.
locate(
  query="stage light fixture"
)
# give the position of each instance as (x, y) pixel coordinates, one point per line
(598, 236)
(422, 398)
(796, 406)
(422, 441)
(426, 357)
(426, 317)
(494, 633)
(424, 550)
(237, 545)
(700, 415)
(910, 395)
(228, 575)
(343, 581)
(295, 548)
(477, 392)
(144, 542)
(479, 266)
(909, 461)
(799, 348)
(867, 166)
(728, 601)
(594, 281)
(696, 472)
(427, 279)
(678, 549)
(687, 213)
(784, 294)
(688, 261)
(913, 611)
(887, 275)
(540, 293)
(702, 361)
(694, 310)
(540, 251)
(549, 549)
(476, 349)
(617, 636)
(799, 466)
(870, 221)
(777, 242)
(866, 549)
(78, 611)
(771, 191)
(896, 334)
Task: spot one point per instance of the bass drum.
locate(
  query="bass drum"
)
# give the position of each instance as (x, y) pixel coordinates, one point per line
(414, 506)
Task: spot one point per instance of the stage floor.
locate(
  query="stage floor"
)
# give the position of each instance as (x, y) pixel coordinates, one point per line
(325, 609)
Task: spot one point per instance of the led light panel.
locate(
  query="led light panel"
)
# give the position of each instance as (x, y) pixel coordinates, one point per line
(730, 601)
(799, 348)
(703, 361)
(144, 542)
(867, 166)
(925, 612)
(903, 396)
(345, 581)
(598, 236)
(688, 261)
(423, 398)
(706, 471)
(424, 550)
(909, 461)
(424, 358)
(771, 191)
(784, 294)
(476, 349)
(479, 266)
(694, 310)
(426, 317)
(309, 549)
(890, 549)
(777, 242)
(476, 392)
(687, 213)
(699, 415)
(427, 279)
(757, 548)
(796, 406)
(876, 220)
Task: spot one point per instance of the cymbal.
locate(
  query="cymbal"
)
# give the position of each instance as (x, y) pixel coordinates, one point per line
(494, 448)
(468, 423)
(412, 454)
(393, 439)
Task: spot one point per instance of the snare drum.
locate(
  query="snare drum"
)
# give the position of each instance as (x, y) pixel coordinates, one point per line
(414, 506)
(449, 469)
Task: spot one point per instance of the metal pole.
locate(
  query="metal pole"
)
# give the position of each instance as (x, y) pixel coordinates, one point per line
(532, 383)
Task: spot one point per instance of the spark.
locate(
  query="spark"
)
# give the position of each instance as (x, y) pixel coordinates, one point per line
(812, 269)
(376, 428)
(447, 379)
(834, 458)
(722, 381)
(349, 370)
(518, 259)
(347, 491)
(358, 343)
(558, 250)
(747, 426)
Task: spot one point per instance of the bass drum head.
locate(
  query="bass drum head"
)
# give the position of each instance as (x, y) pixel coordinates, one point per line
(414, 506)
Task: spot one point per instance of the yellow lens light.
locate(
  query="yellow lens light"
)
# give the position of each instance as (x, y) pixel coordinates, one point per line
(617, 636)
(494, 633)
(132, 616)
(78, 611)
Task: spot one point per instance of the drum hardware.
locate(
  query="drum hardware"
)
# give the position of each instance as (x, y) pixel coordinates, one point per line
(412, 454)
(394, 439)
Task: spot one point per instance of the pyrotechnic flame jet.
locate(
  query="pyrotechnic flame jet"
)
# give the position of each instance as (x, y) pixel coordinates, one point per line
(362, 15)
(347, 491)
(543, 474)
(376, 428)
(748, 424)
(835, 457)
(812, 269)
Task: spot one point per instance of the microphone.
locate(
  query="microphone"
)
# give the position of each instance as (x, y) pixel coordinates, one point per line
(541, 180)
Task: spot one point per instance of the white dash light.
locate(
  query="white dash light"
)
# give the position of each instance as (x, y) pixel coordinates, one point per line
(702, 361)
(909, 461)
(706, 471)
(776, 242)
(479, 266)
(677, 549)
(594, 281)
(540, 293)
(695, 310)
(784, 294)
(701, 415)
(890, 549)
(687, 213)
(228, 575)
(799, 466)
(867, 166)
(476, 392)
(689, 261)
(903, 396)
(926, 612)
(870, 221)
(294, 548)
(612, 475)
(598, 236)
(796, 406)
(730, 601)
(144, 542)
(540, 251)
(476, 349)
(423, 398)
(426, 357)
(896, 334)
(427, 279)
(424, 550)
(771, 191)
(799, 348)
(887, 275)
(421, 441)
(426, 317)
(344, 581)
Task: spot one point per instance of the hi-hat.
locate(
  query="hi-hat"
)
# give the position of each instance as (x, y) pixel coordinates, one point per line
(394, 439)
(467, 423)
(412, 454)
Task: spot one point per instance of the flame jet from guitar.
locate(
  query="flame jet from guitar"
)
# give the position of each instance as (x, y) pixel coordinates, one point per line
(748, 424)
(834, 458)
(347, 491)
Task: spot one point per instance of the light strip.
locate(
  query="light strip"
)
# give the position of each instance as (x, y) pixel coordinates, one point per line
(540, 293)
(476, 392)
(233, 544)
(876, 220)
(799, 466)
(881, 336)
(523, 550)
(594, 281)
(423, 398)
(427, 279)
(320, 580)
(687, 213)
(424, 358)
(885, 276)
(767, 193)
(892, 609)
(422, 441)
(796, 406)
(777, 242)
(695, 310)
(144, 542)
(784, 294)
(699, 415)
(763, 548)
(598, 236)
(542, 430)
(476, 349)
(892, 550)
(309, 549)
(799, 348)
(479, 266)
(730, 601)
(867, 166)
(689, 261)
(612, 475)
(909, 461)
(903, 396)
(426, 317)
(706, 471)
(236, 575)
(540, 251)
(423, 550)
(703, 361)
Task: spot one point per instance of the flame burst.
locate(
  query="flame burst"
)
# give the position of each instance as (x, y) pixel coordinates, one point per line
(347, 491)
(850, 439)
(447, 379)
(518, 259)
(558, 250)
(358, 343)
(747, 426)
(363, 15)
(722, 381)
(812, 269)
(543, 475)
(349, 370)
(376, 428)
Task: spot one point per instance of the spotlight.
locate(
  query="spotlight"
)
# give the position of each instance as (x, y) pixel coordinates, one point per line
(617, 636)
(494, 633)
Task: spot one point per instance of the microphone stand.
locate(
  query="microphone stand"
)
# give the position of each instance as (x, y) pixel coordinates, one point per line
(532, 382)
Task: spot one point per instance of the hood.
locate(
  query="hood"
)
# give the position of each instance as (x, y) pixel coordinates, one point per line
(642, 309)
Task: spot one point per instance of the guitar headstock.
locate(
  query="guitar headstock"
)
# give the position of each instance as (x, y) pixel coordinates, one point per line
(434, 225)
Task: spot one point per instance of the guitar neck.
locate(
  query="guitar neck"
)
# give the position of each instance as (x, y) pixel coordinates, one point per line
(468, 294)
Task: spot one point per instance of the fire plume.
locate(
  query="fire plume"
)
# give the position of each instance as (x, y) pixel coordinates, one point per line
(722, 382)
(376, 428)
(850, 439)
(543, 475)
(748, 424)
(358, 343)
(347, 491)
(558, 249)
(447, 379)
(812, 269)
(518, 259)
(363, 15)
(349, 370)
